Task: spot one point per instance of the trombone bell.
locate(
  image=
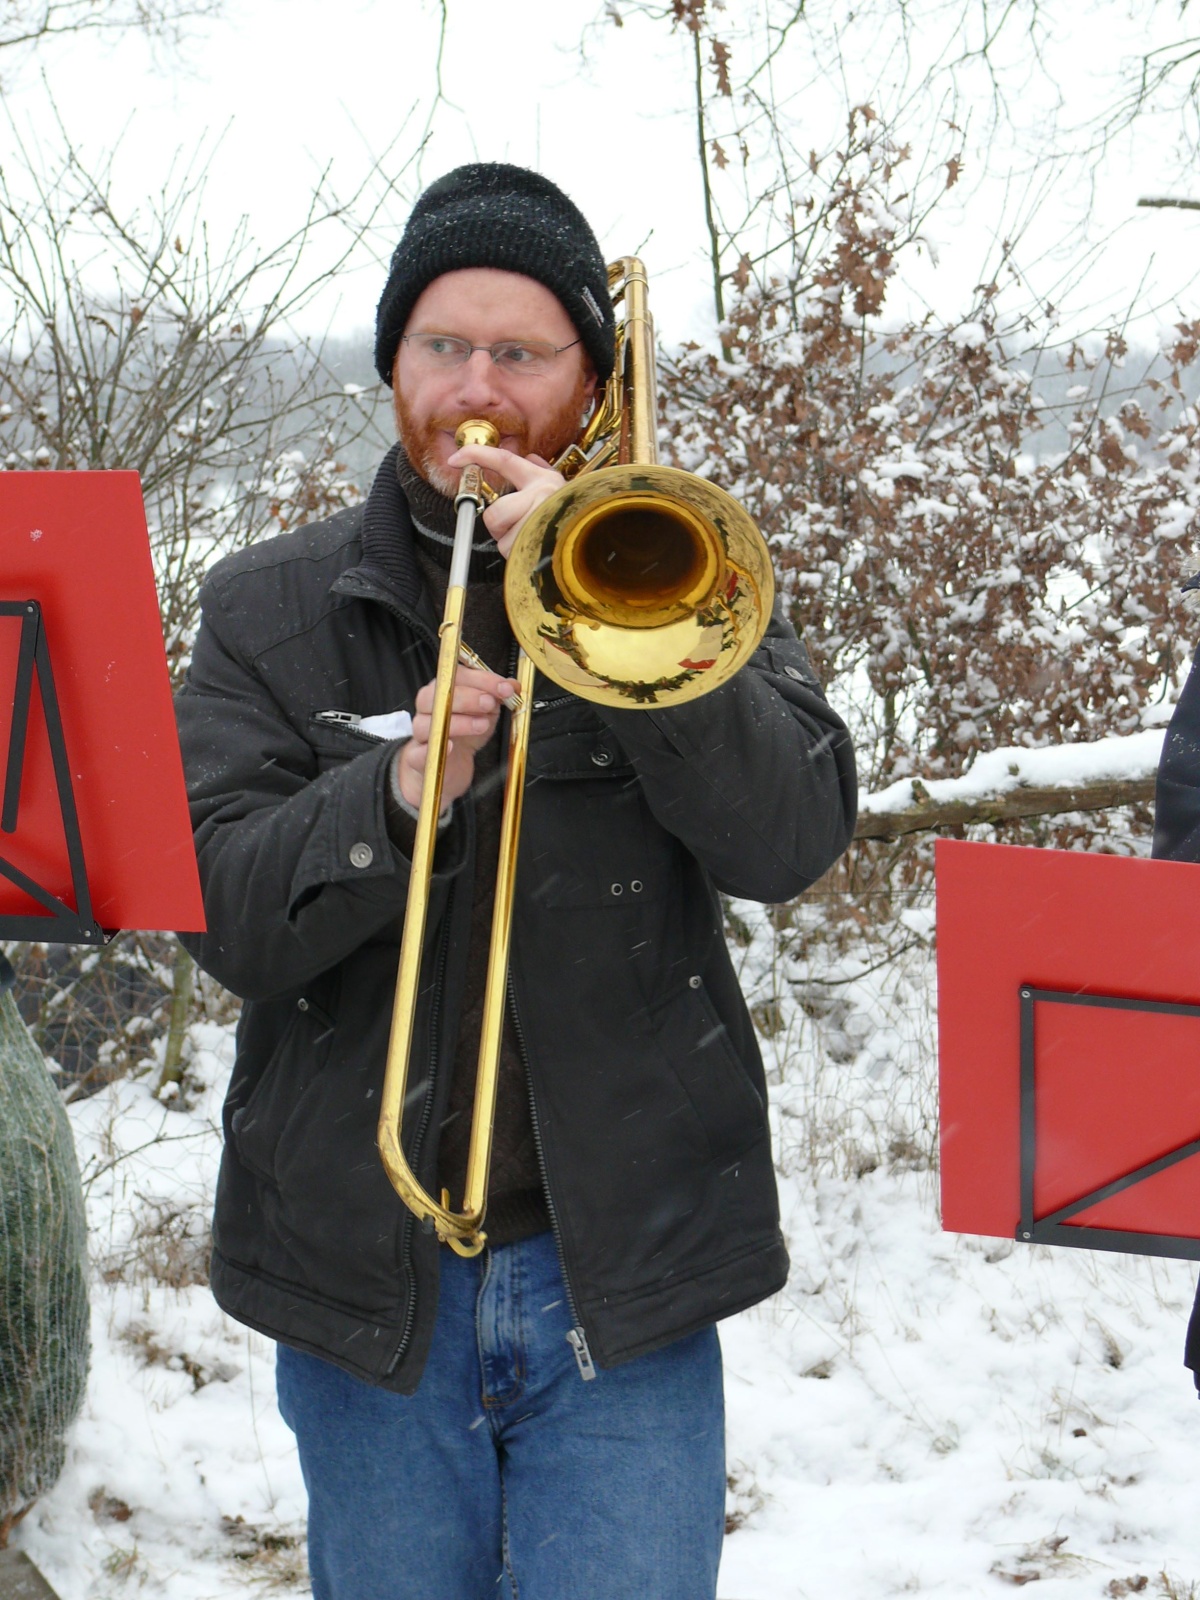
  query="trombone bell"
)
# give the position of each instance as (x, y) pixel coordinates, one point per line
(639, 585)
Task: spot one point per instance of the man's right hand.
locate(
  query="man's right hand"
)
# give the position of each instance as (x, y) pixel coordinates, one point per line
(478, 697)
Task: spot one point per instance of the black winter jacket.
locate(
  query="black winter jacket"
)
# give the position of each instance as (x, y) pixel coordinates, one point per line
(1177, 838)
(646, 1086)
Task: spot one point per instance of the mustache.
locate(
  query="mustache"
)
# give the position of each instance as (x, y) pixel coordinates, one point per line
(506, 423)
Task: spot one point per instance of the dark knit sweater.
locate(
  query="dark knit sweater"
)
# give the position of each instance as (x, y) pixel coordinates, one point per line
(516, 1204)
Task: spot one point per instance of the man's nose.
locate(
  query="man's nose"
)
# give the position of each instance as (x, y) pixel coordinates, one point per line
(478, 380)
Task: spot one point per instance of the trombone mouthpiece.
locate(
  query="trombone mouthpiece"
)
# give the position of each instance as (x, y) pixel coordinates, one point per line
(475, 431)
(470, 484)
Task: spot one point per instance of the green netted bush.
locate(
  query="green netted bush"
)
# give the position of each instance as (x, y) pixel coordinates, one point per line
(43, 1283)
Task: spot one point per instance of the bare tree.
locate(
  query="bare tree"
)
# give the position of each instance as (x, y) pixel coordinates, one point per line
(748, 74)
(134, 338)
(34, 22)
(138, 340)
(1164, 77)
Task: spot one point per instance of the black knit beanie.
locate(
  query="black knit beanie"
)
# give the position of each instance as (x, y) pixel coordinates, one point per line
(489, 214)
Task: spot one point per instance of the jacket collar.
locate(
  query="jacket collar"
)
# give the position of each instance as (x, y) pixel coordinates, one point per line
(387, 535)
(388, 569)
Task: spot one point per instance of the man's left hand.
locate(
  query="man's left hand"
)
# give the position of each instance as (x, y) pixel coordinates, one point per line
(533, 481)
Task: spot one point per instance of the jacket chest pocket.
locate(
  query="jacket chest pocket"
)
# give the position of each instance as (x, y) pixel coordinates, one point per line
(334, 742)
(592, 845)
(588, 840)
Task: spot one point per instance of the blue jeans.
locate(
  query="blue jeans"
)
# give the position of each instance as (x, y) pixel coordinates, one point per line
(506, 1473)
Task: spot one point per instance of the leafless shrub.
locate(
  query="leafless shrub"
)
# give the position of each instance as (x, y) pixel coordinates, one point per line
(137, 340)
(957, 589)
(130, 337)
(170, 1245)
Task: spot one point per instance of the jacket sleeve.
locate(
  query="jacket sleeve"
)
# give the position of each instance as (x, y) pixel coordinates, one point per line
(297, 867)
(757, 778)
(1177, 793)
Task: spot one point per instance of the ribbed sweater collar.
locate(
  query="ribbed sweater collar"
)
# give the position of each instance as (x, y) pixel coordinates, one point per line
(402, 509)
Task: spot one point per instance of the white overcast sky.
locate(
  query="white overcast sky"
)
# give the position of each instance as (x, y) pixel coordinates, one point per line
(283, 88)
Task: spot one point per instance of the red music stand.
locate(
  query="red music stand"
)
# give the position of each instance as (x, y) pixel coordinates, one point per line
(94, 827)
(1069, 1048)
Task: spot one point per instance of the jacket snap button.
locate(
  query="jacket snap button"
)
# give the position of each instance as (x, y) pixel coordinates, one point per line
(602, 758)
(618, 888)
(794, 672)
(361, 855)
(693, 982)
(301, 1005)
(636, 886)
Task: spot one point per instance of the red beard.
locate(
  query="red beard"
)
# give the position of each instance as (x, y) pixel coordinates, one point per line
(420, 439)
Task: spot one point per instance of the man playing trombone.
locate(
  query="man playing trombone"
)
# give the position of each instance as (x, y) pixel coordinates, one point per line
(546, 1413)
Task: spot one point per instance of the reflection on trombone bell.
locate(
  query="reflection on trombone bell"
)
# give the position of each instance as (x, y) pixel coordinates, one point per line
(634, 586)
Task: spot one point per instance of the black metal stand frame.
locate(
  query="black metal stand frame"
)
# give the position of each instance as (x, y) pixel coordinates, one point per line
(61, 924)
(1052, 1228)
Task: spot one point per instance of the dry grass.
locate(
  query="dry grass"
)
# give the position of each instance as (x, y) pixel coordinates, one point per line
(275, 1560)
(169, 1245)
(143, 1340)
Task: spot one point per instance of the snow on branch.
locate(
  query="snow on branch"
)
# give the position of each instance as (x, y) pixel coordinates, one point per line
(1003, 785)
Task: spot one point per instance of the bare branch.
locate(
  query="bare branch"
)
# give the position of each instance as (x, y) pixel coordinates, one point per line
(136, 340)
(927, 815)
(32, 22)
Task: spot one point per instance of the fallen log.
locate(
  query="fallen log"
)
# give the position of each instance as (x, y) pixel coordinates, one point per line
(927, 813)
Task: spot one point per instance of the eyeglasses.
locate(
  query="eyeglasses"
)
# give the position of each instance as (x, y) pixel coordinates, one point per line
(523, 358)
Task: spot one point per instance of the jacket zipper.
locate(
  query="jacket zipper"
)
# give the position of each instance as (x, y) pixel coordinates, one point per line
(351, 720)
(577, 1337)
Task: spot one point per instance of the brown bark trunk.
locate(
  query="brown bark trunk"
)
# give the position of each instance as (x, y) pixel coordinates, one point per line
(926, 813)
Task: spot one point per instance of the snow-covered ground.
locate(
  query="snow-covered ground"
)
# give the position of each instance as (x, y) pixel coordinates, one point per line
(181, 1480)
(916, 1414)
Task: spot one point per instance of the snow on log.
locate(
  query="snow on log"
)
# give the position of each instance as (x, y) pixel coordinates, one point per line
(1006, 784)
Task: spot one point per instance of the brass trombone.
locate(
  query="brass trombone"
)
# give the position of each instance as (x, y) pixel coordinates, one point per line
(635, 585)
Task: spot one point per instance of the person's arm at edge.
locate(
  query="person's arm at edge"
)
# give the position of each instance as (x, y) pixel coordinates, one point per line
(1177, 793)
